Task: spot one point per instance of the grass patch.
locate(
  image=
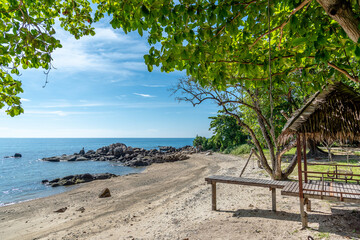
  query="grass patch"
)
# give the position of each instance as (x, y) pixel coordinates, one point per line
(239, 150)
(327, 170)
(357, 153)
(323, 235)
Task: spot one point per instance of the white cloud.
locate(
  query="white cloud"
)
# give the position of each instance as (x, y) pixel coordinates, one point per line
(70, 105)
(121, 97)
(137, 66)
(108, 51)
(154, 86)
(25, 100)
(144, 95)
(56, 113)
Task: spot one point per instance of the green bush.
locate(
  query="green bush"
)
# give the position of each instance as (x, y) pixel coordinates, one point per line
(199, 141)
(241, 149)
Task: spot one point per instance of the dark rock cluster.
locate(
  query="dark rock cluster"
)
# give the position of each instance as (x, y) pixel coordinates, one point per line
(132, 157)
(76, 179)
(16, 155)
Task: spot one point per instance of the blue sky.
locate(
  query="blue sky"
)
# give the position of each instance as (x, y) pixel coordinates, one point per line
(101, 88)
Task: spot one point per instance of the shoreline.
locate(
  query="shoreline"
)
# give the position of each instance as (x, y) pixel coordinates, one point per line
(115, 153)
(60, 189)
(172, 201)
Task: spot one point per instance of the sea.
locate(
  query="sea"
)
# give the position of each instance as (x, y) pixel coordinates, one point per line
(20, 178)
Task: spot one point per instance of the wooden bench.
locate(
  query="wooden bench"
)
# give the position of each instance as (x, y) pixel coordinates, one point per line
(271, 184)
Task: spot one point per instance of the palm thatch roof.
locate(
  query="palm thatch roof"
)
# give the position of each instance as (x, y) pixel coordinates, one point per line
(330, 114)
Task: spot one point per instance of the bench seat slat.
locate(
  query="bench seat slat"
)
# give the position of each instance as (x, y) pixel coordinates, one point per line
(246, 181)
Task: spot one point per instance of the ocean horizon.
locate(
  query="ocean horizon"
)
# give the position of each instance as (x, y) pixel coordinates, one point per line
(20, 178)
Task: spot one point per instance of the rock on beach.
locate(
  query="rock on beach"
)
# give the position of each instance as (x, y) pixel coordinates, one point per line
(76, 179)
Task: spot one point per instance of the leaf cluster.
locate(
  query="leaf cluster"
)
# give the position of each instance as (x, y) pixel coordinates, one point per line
(27, 39)
(225, 42)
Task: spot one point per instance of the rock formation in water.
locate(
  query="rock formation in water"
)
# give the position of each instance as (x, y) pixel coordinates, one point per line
(132, 157)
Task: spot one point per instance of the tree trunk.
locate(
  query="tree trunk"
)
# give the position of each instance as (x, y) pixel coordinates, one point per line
(289, 168)
(314, 150)
(341, 12)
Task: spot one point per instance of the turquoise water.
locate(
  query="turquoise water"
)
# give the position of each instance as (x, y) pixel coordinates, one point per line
(20, 178)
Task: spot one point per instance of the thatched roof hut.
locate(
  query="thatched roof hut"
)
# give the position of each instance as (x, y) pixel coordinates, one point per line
(330, 114)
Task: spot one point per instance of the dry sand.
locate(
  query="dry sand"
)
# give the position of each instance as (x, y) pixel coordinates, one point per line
(172, 201)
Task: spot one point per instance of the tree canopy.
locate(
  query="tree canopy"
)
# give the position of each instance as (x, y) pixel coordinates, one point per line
(224, 42)
(27, 39)
(216, 42)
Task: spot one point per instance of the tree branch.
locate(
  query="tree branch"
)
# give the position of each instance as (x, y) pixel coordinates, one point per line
(263, 160)
(353, 78)
(303, 4)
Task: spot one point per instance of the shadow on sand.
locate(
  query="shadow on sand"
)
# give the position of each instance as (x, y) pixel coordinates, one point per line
(343, 222)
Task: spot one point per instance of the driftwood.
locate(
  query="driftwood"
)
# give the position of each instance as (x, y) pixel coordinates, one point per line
(247, 162)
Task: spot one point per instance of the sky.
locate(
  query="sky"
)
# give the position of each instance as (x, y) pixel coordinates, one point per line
(101, 89)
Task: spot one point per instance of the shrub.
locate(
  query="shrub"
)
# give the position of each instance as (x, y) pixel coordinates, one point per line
(199, 141)
(241, 149)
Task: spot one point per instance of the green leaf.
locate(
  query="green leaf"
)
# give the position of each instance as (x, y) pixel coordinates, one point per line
(357, 52)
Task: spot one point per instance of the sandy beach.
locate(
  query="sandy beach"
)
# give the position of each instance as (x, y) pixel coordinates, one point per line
(172, 201)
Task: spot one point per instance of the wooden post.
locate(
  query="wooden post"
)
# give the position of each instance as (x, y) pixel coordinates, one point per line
(273, 196)
(307, 201)
(243, 170)
(305, 160)
(213, 192)
(301, 194)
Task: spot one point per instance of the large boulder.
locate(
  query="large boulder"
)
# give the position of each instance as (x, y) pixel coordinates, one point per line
(103, 150)
(68, 158)
(76, 179)
(90, 152)
(101, 176)
(174, 157)
(118, 152)
(68, 177)
(129, 150)
(81, 159)
(137, 163)
(52, 159)
(82, 151)
(87, 177)
(68, 183)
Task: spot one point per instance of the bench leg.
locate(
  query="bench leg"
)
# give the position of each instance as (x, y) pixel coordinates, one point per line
(213, 192)
(273, 196)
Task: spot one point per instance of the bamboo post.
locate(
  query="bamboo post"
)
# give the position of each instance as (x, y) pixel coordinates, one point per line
(213, 192)
(301, 194)
(305, 160)
(307, 201)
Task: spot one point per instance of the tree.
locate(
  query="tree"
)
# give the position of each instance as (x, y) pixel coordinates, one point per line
(27, 39)
(220, 42)
(226, 134)
(250, 109)
(216, 42)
